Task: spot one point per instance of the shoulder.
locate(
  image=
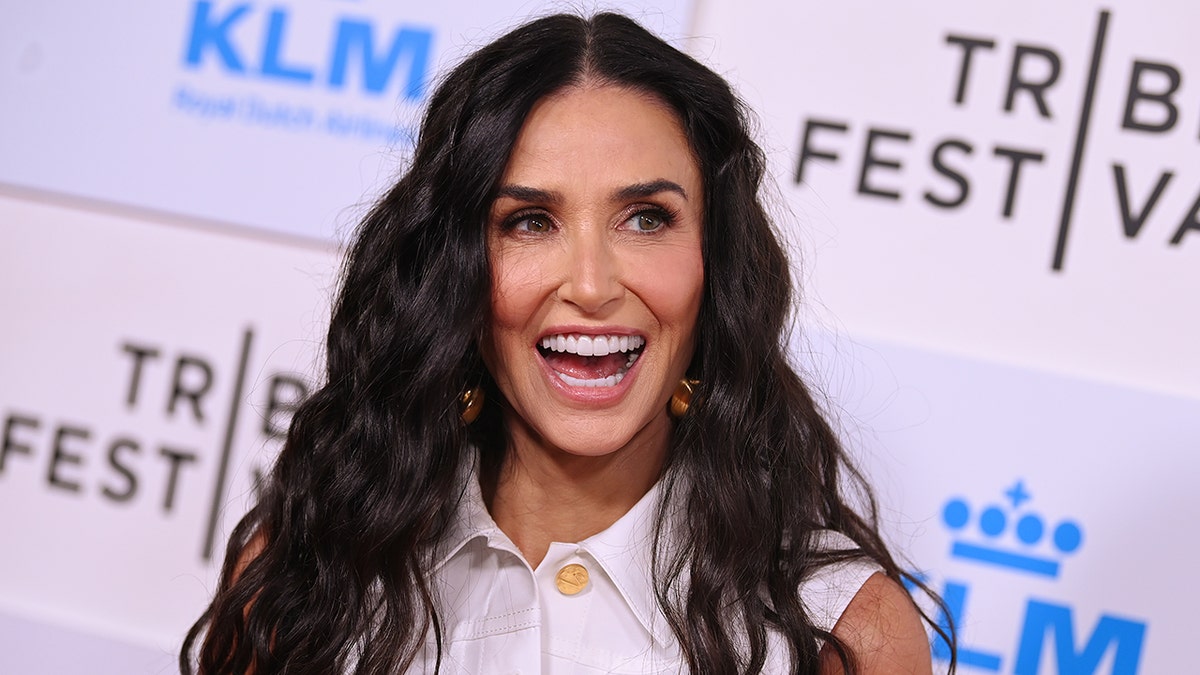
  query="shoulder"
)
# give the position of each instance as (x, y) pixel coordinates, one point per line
(883, 631)
(869, 612)
(827, 590)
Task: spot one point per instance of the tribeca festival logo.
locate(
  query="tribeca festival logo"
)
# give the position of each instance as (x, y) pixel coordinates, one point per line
(174, 388)
(1019, 541)
(1151, 103)
(358, 58)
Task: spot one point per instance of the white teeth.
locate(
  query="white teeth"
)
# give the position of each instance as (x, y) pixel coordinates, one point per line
(595, 345)
(591, 345)
(585, 346)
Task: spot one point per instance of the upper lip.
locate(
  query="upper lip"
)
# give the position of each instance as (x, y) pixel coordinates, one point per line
(589, 330)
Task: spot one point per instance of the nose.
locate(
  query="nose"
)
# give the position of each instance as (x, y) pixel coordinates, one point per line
(592, 279)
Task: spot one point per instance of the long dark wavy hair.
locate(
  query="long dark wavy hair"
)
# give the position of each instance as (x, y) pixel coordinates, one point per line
(330, 570)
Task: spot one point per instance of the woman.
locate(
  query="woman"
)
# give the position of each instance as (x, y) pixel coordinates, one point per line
(560, 431)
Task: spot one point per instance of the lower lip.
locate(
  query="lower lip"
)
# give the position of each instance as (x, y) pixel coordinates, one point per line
(596, 396)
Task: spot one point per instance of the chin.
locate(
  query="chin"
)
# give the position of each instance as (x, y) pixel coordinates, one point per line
(603, 436)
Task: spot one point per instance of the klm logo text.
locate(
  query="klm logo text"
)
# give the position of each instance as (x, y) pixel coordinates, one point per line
(248, 41)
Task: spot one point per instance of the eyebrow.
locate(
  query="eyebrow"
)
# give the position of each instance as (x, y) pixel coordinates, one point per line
(643, 190)
(634, 191)
(528, 194)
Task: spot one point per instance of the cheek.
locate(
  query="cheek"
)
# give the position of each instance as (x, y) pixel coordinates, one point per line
(673, 286)
(517, 292)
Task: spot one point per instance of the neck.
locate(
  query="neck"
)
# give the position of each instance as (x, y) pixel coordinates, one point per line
(545, 494)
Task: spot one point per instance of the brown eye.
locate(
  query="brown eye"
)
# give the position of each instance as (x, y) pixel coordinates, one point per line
(535, 223)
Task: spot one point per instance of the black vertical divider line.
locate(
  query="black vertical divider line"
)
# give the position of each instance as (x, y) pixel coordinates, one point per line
(1085, 115)
(227, 449)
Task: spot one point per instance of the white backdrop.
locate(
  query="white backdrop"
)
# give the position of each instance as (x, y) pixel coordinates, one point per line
(996, 229)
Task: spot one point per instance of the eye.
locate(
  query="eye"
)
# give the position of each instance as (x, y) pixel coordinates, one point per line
(537, 223)
(650, 220)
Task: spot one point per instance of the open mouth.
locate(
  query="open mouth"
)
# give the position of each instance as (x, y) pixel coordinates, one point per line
(591, 360)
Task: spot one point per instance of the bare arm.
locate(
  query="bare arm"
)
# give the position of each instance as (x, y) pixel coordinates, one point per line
(883, 631)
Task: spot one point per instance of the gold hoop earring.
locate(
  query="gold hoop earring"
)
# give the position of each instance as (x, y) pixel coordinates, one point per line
(470, 404)
(681, 400)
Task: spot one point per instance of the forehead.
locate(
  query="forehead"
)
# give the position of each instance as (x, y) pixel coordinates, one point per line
(601, 136)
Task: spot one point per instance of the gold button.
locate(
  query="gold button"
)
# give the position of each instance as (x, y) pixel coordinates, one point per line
(571, 579)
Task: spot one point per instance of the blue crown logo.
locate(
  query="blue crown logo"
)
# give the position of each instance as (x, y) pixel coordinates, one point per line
(1029, 554)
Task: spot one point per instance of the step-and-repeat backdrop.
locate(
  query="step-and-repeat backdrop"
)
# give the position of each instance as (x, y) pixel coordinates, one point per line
(995, 215)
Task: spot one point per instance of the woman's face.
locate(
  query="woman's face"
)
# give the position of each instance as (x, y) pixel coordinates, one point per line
(595, 246)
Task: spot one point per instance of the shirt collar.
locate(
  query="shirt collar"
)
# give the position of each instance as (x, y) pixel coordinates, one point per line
(470, 521)
(625, 550)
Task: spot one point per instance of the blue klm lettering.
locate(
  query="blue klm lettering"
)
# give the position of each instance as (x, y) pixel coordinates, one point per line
(1043, 617)
(272, 65)
(206, 33)
(1123, 635)
(212, 33)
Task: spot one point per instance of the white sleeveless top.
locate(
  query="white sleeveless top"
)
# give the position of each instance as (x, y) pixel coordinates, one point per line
(499, 616)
